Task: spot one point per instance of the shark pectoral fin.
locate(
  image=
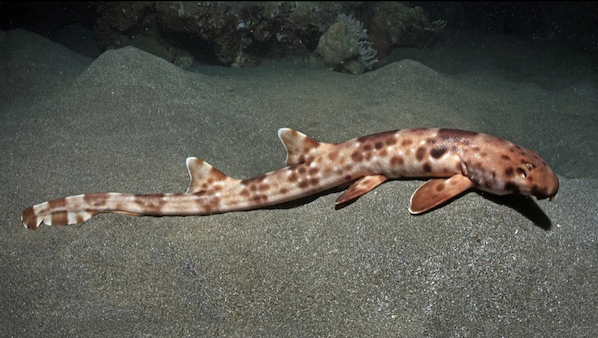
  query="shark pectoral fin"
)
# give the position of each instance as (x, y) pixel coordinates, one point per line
(300, 147)
(436, 192)
(204, 177)
(362, 186)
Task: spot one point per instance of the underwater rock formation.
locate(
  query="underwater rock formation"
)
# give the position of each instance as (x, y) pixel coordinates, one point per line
(406, 26)
(134, 23)
(242, 34)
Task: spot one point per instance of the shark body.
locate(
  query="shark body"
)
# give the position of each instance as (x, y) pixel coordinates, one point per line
(455, 160)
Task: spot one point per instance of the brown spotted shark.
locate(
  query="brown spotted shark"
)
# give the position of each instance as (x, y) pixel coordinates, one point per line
(455, 160)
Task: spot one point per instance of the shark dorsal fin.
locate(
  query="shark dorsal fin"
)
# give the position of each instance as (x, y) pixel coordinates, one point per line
(300, 147)
(204, 177)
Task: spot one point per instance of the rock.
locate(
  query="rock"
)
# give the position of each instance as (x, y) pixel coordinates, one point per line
(242, 34)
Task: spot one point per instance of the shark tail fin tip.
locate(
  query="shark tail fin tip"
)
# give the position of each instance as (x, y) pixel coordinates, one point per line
(35, 215)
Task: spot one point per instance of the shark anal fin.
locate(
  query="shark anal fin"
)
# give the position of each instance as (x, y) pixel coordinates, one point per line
(361, 187)
(438, 191)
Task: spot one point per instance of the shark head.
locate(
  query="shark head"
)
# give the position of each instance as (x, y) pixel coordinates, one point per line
(528, 174)
(514, 170)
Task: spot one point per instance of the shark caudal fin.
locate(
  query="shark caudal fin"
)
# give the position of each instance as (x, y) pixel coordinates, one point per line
(300, 147)
(205, 178)
(54, 212)
(438, 191)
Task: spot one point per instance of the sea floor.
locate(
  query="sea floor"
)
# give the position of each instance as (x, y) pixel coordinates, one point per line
(126, 121)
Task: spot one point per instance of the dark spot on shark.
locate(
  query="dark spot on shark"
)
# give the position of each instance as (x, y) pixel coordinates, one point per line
(396, 161)
(60, 203)
(420, 153)
(150, 201)
(254, 180)
(509, 172)
(357, 156)
(217, 174)
(438, 152)
(512, 187)
(454, 133)
(375, 137)
(96, 200)
(259, 199)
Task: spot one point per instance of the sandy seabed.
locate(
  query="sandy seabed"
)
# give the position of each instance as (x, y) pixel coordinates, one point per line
(126, 121)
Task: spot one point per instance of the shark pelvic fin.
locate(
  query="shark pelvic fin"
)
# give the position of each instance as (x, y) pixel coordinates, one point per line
(300, 147)
(438, 191)
(361, 187)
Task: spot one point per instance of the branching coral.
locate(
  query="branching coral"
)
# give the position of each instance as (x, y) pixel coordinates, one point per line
(345, 44)
(367, 55)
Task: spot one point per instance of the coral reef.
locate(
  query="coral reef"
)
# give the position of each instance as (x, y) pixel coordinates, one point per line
(344, 46)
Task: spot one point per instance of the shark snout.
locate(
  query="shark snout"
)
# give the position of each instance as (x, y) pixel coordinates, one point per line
(554, 188)
(548, 189)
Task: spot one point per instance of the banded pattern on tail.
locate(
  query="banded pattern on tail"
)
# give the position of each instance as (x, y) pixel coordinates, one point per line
(55, 212)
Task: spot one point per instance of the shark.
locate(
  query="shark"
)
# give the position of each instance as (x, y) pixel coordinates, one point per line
(454, 161)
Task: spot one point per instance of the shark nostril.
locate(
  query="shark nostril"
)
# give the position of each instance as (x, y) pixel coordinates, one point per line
(522, 172)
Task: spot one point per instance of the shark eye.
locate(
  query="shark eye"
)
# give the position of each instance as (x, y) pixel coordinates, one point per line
(522, 172)
(529, 166)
